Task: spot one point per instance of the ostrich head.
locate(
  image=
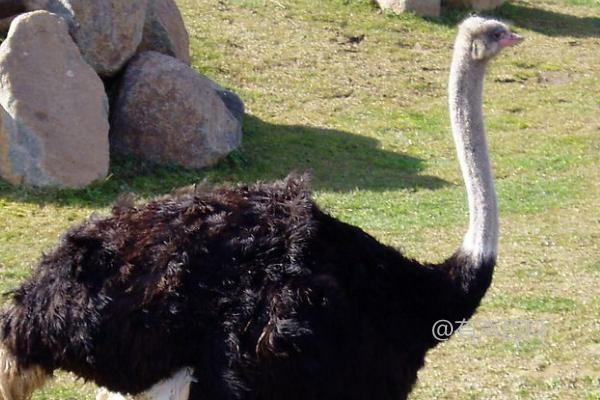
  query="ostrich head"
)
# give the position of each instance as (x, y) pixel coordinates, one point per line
(486, 37)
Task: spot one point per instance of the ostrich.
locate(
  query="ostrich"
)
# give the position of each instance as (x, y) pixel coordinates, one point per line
(254, 289)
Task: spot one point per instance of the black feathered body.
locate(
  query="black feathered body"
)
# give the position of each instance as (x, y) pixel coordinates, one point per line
(260, 292)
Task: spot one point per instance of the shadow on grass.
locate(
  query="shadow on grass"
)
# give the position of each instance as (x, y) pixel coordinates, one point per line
(338, 161)
(546, 22)
(549, 22)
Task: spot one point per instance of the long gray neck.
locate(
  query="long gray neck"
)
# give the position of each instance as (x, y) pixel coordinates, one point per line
(480, 243)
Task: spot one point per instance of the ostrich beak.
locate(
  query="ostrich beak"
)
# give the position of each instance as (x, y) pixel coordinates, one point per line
(510, 39)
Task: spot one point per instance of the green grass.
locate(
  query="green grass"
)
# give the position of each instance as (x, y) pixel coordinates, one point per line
(358, 99)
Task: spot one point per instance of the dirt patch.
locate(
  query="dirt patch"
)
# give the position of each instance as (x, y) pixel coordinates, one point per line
(554, 77)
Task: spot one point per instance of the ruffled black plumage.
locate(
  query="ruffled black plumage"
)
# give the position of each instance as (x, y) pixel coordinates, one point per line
(257, 289)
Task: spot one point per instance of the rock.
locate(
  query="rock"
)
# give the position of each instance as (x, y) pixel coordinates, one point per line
(53, 110)
(164, 31)
(479, 5)
(427, 8)
(167, 113)
(108, 32)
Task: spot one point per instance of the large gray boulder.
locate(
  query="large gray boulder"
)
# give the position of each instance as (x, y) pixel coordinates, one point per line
(428, 8)
(167, 113)
(164, 31)
(53, 109)
(108, 32)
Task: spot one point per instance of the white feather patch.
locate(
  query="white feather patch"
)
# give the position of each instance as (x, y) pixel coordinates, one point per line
(176, 387)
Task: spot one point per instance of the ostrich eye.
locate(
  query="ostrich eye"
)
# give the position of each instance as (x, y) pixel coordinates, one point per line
(497, 33)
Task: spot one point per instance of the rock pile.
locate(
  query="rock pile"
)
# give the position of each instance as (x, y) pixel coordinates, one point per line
(54, 112)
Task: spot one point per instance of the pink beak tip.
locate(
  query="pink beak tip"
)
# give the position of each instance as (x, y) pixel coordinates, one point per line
(511, 40)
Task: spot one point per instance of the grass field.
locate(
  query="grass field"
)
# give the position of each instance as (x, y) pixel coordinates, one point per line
(359, 99)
